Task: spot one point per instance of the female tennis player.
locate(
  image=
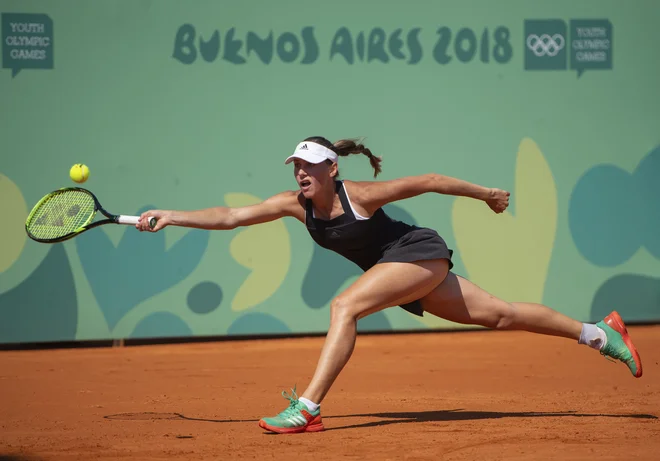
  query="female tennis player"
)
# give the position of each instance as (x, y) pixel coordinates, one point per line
(404, 265)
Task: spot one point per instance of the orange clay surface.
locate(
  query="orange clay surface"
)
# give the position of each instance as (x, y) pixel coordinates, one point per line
(452, 396)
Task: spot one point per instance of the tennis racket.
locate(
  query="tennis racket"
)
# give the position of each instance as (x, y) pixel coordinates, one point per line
(68, 212)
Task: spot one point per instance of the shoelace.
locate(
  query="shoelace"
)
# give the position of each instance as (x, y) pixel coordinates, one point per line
(607, 357)
(293, 403)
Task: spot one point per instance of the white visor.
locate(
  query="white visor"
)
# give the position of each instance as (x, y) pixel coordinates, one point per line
(312, 153)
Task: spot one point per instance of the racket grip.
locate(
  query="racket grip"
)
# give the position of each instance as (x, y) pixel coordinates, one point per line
(127, 219)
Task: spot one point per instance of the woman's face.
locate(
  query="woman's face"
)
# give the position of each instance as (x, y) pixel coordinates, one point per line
(313, 177)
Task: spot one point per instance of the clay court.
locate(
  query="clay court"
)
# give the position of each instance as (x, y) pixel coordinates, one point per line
(453, 396)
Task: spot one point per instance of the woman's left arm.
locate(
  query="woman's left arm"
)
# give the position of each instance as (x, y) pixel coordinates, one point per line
(375, 194)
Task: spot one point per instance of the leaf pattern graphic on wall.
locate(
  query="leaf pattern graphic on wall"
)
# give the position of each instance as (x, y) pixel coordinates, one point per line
(523, 237)
(138, 268)
(13, 210)
(614, 215)
(265, 249)
(44, 306)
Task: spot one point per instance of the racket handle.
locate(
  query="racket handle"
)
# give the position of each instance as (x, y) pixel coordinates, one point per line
(122, 219)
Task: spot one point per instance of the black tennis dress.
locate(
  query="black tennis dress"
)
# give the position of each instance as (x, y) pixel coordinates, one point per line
(374, 240)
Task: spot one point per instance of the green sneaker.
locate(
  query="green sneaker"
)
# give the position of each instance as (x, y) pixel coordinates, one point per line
(296, 418)
(619, 345)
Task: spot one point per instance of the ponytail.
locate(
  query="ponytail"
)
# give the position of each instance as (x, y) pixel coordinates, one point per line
(345, 147)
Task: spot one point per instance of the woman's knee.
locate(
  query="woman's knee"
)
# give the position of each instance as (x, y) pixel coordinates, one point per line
(342, 309)
(492, 313)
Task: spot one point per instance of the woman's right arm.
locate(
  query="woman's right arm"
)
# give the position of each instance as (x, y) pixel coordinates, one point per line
(226, 218)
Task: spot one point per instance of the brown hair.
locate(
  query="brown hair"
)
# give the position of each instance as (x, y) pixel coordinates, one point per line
(345, 147)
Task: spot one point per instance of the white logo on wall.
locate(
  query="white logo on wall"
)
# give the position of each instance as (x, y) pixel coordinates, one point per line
(545, 44)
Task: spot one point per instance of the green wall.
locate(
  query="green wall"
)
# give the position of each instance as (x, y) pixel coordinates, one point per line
(193, 104)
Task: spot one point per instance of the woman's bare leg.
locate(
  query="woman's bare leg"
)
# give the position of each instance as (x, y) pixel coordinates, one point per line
(461, 301)
(382, 286)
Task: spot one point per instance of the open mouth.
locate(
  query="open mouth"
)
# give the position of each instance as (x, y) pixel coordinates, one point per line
(305, 183)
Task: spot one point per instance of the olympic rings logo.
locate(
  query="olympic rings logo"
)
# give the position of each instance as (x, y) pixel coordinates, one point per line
(545, 45)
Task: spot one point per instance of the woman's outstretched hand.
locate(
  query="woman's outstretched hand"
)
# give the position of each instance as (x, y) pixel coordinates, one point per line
(498, 200)
(162, 220)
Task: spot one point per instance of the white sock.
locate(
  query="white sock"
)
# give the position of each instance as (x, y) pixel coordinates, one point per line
(309, 404)
(592, 336)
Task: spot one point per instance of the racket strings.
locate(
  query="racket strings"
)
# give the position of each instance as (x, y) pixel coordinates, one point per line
(60, 214)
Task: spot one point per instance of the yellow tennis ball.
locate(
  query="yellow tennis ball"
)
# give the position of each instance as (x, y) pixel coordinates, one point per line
(79, 172)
